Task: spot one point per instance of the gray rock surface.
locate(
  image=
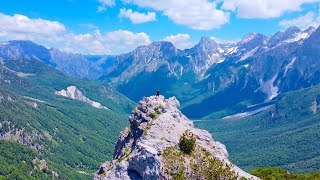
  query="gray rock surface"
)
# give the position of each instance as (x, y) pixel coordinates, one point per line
(74, 93)
(156, 124)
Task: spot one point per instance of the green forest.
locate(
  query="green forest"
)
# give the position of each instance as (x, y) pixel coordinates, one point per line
(286, 135)
(72, 135)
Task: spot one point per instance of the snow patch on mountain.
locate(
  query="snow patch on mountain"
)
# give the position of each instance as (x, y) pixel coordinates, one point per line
(298, 37)
(249, 54)
(248, 38)
(216, 58)
(289, 66)
(220, 50)
(232, 50)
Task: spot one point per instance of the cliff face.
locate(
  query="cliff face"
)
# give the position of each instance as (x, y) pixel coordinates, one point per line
(150, 147)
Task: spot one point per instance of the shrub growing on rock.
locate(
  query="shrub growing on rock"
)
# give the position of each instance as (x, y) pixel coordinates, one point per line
(153, 115)
(157, 107)
(187, 142)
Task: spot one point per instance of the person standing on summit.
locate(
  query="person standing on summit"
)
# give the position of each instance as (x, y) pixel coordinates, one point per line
(158, 94)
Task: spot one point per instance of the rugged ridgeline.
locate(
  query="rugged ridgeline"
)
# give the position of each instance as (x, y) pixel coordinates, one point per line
(211, 79)
(151, 147)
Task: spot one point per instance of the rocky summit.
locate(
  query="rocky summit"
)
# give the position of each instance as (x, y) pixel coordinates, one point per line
(162, 143)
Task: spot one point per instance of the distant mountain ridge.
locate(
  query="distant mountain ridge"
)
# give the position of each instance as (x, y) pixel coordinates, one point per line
(255, 69)
(75, 121)
(72, 64)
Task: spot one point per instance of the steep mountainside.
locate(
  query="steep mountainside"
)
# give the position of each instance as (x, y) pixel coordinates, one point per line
(161, 143)
(251, 71)
(72, 64)
(286, 135)
(72, 134)
(278, 173)
(20, 162)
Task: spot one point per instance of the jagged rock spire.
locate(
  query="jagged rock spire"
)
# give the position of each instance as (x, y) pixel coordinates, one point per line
(148, 149)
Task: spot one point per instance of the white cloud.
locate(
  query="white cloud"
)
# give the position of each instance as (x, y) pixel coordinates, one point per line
(303, 22)
(124, 41)
(84, 43)
(197, 14)
(136, 17)
(106, 3)
(114, 42)
(263, 8)
(21, 24)
(181, 41)
(54, 34)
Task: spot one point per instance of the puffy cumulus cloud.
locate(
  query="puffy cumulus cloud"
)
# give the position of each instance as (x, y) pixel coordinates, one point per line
(303, 22)
(84, 43)
(114, 42)
(23, 27)
(122, 41)
(127, 37)
(181, 41)
(263, 8)
(54, 34)
(200, 14)
(105, 3)
(136, 17)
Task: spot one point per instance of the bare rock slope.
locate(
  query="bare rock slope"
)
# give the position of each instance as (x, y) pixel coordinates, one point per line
(150, 147)
(74, 93)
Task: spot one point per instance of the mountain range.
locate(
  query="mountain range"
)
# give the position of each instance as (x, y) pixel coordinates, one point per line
(207, 78)
(68, 107)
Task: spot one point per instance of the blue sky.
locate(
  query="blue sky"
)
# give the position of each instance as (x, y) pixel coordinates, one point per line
(119, 26)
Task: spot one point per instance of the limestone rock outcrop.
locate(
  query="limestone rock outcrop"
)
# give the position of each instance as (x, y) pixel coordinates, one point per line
(149, 147)
(74, 93)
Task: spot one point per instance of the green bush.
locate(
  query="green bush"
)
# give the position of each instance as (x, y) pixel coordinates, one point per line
(153, 115)
(201, 165)
(158, 107)
(187, 142)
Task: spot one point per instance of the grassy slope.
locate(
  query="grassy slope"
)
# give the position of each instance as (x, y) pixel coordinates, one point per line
(77, 135)
(287, 136)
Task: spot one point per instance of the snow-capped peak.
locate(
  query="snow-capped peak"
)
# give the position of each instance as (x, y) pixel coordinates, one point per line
(248, 37)
(301, 35)
(298, 37)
